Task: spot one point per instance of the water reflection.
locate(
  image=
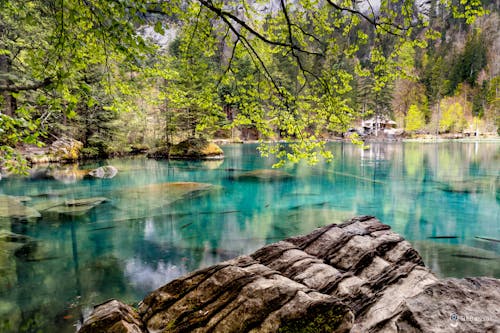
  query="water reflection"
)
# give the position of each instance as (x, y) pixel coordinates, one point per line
(442, 197)
(149, 277)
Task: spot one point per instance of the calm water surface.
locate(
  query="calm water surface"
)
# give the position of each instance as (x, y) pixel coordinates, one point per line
(138, 240)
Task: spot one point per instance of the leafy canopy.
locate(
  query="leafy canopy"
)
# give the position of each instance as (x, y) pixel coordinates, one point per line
(286, 66)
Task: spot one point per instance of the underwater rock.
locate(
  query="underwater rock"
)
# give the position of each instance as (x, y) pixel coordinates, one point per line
(86, 202)
(459, 260)
(358, 276)
(12, 246)
(20, 198)
(44, 205)
(263, 175)
(76, 207)
(470, 186)
(155, 196)
(12, 207)
(107, 171)
(10, 315)
(14, 243)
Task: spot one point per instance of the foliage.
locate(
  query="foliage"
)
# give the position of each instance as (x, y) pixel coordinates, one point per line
(452, 118)
(298, 72)
(415, 119)
(12, 132)
(470, 62)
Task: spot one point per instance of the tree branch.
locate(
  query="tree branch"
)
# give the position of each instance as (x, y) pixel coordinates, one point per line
(34, 86)
(224, 14)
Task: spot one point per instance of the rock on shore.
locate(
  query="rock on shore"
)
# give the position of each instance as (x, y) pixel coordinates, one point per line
(357, 276)
(190, 149)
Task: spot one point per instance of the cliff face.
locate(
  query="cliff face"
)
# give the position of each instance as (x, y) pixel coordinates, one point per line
(358, 276)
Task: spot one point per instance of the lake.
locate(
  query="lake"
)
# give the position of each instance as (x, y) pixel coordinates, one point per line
(443, 197)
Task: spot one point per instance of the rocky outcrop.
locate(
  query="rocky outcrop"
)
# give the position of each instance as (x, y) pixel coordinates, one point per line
(61, 150)
(357, 276)
(66, 149)
(190, 149)
(113, 317)
(454, 305)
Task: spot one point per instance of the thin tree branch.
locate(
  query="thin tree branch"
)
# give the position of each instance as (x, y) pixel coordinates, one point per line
(229, 16)
(34, 86)
(233, 51)
(383, 25)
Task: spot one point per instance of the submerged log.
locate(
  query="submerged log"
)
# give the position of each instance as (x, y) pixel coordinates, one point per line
(358, 276)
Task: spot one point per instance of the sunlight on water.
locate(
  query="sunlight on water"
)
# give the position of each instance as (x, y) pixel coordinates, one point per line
(140, 231)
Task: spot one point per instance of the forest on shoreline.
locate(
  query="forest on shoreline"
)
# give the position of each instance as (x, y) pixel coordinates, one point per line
(123, 76)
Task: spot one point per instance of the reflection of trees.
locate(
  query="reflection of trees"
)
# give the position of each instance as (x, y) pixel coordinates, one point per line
(400, 183)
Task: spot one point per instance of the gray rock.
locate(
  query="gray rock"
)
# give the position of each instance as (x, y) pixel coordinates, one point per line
(189, 149)
(453, 305)
(241, 295)
(66, 149)
(358, 276)
(107, 171)
(113, 317)
(12, 207)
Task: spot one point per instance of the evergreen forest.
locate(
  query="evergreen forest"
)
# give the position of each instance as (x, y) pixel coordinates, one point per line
(122, 76)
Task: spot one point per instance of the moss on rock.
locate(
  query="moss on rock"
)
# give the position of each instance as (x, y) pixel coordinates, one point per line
(190, 149)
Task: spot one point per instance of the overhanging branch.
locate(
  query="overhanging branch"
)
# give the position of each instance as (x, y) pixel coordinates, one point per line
(34, 86)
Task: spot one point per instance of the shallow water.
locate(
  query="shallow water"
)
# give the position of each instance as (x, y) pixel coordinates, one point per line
(147, 235)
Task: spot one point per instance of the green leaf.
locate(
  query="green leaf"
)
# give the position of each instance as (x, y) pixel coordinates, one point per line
(158, 28)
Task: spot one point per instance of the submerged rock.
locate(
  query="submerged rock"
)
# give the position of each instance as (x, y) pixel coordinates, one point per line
(263, 175)
(358, 276)
(460, 260)
(12, 207)
(10, 315)
(470, 186)
(107, 171)
(15, 243)
(154, 196)
(74, 207)
(11, 246)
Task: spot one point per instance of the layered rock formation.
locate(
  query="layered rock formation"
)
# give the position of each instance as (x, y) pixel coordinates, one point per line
(358, 276)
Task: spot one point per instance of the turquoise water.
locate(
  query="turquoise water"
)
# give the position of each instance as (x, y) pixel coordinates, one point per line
(145, 236)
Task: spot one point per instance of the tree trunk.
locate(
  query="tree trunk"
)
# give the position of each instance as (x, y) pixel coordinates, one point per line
(9, 102)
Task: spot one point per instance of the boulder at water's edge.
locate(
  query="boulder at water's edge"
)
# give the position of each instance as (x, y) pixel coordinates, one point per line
(358, 276)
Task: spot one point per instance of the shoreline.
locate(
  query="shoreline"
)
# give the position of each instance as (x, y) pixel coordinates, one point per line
(434, 139)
